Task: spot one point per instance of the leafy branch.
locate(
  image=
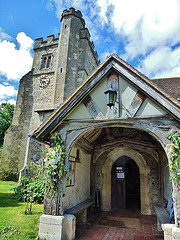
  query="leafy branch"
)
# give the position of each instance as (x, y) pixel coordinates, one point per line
(174, 164)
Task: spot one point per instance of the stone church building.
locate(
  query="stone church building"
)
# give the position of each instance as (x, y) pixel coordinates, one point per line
(119, 148)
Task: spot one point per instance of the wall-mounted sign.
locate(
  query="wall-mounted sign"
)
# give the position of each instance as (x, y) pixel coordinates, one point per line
(120, 173)
(71, 174)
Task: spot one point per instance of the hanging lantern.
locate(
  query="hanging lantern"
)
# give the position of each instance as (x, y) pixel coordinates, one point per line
(110, 96)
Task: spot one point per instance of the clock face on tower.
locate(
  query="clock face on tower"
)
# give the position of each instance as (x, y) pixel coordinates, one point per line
(43, 81)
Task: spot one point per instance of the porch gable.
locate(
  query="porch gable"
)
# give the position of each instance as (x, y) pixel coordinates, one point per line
(137, 97)
(131, 103)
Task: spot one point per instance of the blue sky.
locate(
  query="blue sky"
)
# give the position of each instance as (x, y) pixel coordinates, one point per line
(144, 33)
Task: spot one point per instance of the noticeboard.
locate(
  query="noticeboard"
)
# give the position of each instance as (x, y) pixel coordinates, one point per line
(71, 174)
(120, 173)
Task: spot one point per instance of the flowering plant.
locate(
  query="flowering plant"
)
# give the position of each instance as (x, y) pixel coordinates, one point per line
(54, 163)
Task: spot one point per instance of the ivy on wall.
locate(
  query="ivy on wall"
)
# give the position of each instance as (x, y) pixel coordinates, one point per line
(174, 163)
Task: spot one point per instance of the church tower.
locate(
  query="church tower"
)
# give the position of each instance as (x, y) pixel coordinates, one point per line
(76, 57)
(59, 66)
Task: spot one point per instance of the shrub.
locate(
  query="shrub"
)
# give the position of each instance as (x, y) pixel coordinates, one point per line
(30, 190)
(6, 175)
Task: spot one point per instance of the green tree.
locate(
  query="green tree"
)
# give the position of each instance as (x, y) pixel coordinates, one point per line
(6, 115)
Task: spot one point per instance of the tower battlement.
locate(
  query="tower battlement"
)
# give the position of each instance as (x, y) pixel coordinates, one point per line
(72, 11)
(50, 40)
(84, 34)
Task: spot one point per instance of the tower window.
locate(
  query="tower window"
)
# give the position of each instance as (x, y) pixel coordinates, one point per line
(49, 62)
(46, 62)
(43, 62)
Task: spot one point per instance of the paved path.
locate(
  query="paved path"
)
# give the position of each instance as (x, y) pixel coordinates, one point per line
(92, 230)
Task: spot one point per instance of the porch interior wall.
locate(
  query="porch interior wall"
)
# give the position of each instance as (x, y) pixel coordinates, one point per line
(81, 189)
(154, 194)
(167, 186)
(149, 175)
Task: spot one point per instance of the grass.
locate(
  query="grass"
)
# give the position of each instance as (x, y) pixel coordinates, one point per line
(14, 224)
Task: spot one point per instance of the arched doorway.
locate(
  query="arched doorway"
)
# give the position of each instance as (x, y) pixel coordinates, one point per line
(106, 145)
(125, 184)
(144, 171)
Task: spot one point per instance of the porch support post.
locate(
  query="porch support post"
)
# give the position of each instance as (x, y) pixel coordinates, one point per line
(55, 205)
(53, 225)
(176, 203)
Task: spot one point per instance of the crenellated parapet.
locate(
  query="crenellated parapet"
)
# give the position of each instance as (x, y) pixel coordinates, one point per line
(50, 40)
(84, 34)
(72, 11)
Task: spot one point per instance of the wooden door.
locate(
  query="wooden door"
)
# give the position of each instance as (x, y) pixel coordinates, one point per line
(132, 185)
(125, 184)
(118, 185)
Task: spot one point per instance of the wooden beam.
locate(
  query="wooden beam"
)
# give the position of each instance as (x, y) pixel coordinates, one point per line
(134, 106)
(130, 143)
(127, 141)
(92, 108)
(84, 145)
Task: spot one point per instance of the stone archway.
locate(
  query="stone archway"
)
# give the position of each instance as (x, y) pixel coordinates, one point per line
(107, 144)
(144, 170)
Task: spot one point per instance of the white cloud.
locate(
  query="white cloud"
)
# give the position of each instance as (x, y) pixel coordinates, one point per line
(14, 63)
(12, 101)
(57, 5)
(162, 62)
(4, 36)
(5, 83)
(149, 30)
(104, 55)
(25, 42)
(144, 24)
(6, 92)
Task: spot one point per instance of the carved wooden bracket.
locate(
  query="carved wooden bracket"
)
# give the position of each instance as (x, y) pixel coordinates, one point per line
(93, 108)
(134, 106)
